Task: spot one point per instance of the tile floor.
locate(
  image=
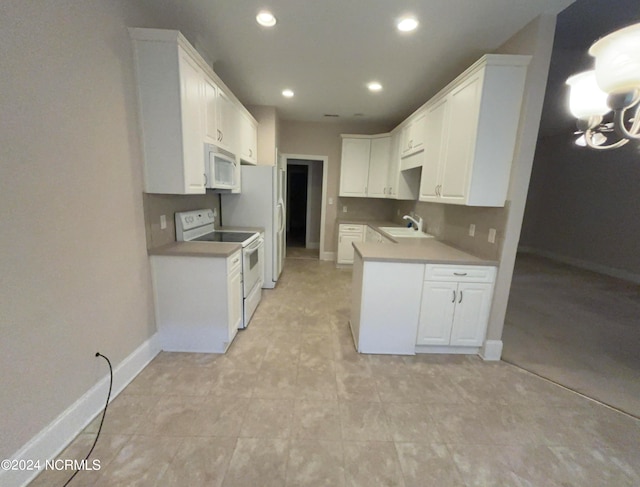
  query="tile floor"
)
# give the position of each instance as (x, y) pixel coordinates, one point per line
(292, 404)
(577, 328)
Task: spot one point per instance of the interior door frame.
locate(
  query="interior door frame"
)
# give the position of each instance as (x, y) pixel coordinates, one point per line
(324, 160)
(307, 231)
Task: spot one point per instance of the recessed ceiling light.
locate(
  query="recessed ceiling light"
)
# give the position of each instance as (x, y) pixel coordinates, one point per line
(407, 24)
(287, 93)
(374, 86)
(266, 18)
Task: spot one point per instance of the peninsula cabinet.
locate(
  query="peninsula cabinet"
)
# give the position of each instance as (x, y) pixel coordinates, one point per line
(455, 305)
(470, 130)
(170, 91)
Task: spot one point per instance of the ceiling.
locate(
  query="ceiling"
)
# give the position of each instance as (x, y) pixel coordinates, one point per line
(577, 27)
(327, 50)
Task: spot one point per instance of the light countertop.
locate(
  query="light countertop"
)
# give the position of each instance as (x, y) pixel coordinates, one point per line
(197, 249)
(411, 250)
(203, 249)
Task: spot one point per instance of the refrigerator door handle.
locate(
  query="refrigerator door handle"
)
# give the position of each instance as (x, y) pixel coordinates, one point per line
(281, 215)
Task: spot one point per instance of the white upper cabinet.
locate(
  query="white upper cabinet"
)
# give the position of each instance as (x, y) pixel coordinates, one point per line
(377, 186)
(364, 167)
(471, 129)
(413, 136)
(248, 140)
(170, 93)
(227, 122)
(183, 105)
(435, 122)
(354, 166)
(402, 185)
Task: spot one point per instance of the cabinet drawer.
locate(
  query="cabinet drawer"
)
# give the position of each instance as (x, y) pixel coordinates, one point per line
(468, 273)
(351, 228)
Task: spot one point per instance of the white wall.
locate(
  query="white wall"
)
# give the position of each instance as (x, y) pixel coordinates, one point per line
(583, 205)
(74, 270)
(323, 139)
(535, 39)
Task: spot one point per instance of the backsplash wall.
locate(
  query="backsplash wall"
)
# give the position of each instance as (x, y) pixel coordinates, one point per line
(377, 209)
(450, 223)
(168, 204)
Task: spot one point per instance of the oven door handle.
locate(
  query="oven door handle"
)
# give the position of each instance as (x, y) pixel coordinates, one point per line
(254, 247)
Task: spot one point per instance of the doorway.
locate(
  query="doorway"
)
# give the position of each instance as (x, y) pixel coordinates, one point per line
(306, 192)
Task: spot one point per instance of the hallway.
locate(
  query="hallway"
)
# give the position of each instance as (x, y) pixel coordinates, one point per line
(577, 328)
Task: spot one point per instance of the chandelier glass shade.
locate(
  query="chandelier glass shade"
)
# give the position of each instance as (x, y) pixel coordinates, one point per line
(613, 86)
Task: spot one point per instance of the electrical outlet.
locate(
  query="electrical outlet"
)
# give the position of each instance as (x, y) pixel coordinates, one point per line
(163, 222)
(330, 201)
(492, 235)
(344, 208)
(472, 230)
(397, 212)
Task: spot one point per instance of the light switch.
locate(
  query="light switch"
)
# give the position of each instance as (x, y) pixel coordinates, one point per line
(492, 235)
(472, 230)
(163, 222)
(344, 209)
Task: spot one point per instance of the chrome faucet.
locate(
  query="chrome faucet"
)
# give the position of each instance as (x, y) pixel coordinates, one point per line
(417, 223)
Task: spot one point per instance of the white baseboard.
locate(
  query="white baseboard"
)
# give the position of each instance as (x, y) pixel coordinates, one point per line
(492, 350)
(583, 264)
(313, 245)
(447, 349)
(328, 256)
(55, 437)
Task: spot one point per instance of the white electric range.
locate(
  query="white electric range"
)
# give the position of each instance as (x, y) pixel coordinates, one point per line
(199, 225)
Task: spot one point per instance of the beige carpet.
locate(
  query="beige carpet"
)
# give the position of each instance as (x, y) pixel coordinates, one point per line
(577, 328)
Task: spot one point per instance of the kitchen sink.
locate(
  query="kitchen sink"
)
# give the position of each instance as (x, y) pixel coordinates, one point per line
(404, 232)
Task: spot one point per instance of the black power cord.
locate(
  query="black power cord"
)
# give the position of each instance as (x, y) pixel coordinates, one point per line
(104, 412)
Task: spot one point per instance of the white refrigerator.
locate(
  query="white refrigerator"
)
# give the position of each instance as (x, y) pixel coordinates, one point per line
(261, 204)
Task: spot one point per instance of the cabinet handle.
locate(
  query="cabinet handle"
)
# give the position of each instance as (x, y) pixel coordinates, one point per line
(205, 179)
(236, 260)
(454, 297)
(459, 273)
(384, 191)
(460, 300)
(390, 189)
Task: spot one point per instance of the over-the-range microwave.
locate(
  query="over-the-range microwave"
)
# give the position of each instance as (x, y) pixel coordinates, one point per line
(221, 168)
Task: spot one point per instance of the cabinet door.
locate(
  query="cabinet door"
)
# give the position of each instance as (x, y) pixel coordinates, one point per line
(210, 116)
(435, 123)
(226, 122)
(378, 167)
(191, 81)
(461, 133)
(248, 140)
(436, 313)
(234, 304)
(345, 247)
(354, 167)
(413, 136)
(473, 303)
(393, 174)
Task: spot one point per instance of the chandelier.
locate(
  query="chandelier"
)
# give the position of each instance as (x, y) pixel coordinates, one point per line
(613, 86)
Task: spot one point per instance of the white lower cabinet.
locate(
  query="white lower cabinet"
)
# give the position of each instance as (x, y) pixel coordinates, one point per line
(198, 301)
(347, 235)
(455, 306)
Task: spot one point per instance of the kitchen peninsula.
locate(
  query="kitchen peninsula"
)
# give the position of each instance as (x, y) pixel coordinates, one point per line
(419, 295)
